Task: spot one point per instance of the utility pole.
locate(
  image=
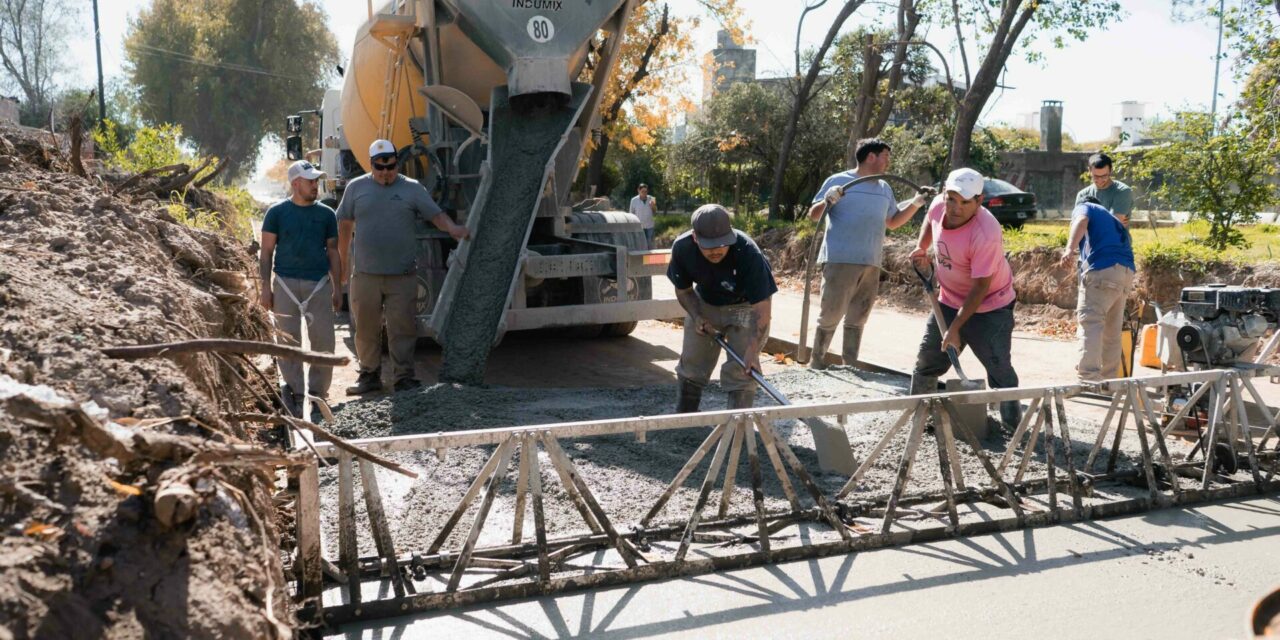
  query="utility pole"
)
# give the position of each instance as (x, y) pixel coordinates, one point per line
(1217, 64)
(97, 41)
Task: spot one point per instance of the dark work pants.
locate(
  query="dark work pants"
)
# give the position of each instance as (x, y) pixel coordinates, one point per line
(989, 334)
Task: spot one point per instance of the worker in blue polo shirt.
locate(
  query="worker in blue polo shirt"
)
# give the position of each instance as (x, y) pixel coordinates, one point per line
(725, 285)
(1106, 277)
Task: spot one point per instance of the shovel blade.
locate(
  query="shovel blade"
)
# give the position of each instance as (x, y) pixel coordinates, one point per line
(832, 443)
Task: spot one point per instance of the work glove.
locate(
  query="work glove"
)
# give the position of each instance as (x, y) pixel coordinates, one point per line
(833, 195)
(924, 195)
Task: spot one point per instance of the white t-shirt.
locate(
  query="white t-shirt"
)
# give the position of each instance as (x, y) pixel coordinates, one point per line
(643, 209)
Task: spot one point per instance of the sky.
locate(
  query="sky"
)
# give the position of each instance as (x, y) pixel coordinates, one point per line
(1147, 56)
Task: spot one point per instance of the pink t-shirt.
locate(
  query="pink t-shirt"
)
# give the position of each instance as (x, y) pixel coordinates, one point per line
(974, 250)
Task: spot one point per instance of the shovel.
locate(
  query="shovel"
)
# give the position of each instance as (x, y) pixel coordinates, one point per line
(965, 382)
(832, 443)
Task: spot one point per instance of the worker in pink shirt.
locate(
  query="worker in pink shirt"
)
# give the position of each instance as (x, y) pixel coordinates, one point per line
(975, 289)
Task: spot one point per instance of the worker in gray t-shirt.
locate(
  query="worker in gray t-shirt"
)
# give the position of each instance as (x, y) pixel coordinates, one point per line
(385, 206)
(1112, 194)
(643, 206)
(853, 247)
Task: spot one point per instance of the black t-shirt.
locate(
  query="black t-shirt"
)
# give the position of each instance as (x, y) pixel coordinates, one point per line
(743, 276)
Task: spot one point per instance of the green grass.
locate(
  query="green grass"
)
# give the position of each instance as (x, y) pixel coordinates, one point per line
(667, 227)
(1169, 244)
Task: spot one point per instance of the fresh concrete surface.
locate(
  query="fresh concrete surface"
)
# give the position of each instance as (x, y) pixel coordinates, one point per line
(1177, 573)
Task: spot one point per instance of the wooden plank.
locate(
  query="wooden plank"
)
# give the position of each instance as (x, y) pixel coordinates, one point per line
(985, 461)
(1114, 456)
(1211, 438)
(1028, 416)
(472, 491)
(949, 443)
(1051, 463)
(684, 472)
(757, 489)
(904, 467)
(561, 460)
(1073, 482)
(1102, 433)
(522, 481)
(378, 522)
(490, 492)
(1144, 446)
(539, 516)
(805, 479)
(875, 453)
(778, 468)
(1242, 421)
(945, 459)
(311, 573)
(722, 447)
(731, 469)
(348, 553)
(1161, 447)
(1029, 449)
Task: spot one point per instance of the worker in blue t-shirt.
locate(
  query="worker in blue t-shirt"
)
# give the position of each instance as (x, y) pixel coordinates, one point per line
(725, 285)
(1106, 277)
(300, 248)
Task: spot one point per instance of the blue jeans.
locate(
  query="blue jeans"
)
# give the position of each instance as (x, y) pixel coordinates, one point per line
(648, 237)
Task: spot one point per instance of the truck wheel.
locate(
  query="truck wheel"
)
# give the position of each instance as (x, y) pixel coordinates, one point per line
(599, 290)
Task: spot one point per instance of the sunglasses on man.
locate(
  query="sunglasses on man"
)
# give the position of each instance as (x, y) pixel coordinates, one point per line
(380, 166)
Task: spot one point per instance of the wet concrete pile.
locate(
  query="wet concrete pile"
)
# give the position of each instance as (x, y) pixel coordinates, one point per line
(627, 476)
(84, 549)
(520, 145)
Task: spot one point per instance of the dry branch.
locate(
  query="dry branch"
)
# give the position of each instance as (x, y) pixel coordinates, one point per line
(225, 346)
(340, 443)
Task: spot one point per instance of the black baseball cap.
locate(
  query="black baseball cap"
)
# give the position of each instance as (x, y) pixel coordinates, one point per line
(712, 227)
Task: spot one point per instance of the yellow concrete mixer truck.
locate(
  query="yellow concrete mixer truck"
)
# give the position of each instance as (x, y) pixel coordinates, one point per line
(484, 102)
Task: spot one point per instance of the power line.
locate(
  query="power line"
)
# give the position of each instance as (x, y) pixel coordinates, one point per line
(229, 66)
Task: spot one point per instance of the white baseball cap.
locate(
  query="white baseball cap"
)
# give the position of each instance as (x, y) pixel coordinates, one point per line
(381, 148)
(305, 170)
(966, 182)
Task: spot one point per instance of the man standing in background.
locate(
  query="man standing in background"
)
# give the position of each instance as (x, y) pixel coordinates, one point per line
(300, 246)
(1106, 278)
(644, 207)
(385, 206)
(853, 247)
(1113, 195)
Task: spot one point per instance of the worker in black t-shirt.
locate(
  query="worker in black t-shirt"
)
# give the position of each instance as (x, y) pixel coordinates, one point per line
(725, 284)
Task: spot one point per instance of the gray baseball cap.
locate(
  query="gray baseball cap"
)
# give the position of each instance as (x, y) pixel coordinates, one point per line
(712, 226)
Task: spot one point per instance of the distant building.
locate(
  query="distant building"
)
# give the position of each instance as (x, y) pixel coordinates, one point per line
(8, 110)
(727, 64)
(1052, 174)
(1132, 130)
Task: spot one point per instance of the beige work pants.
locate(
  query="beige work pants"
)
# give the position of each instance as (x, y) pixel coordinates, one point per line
(848, 291)
(319, 312)
(699, 354)
(1100, 312)
(393, 298)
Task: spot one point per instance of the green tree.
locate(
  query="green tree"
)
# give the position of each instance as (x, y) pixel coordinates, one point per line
(229, 71)
(1222, 174)
(33, 38)
(1007, 33)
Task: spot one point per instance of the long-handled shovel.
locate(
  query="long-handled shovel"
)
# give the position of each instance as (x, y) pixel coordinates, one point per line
(832, 443)
(927, 281)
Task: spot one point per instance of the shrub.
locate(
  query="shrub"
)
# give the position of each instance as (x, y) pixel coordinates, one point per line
(1189, 256)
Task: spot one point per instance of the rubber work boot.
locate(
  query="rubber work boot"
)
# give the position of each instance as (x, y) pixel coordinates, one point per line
(367, 382)
(688, 396)
(407, 384)
(742, 398)
(923, 385)
(852, 343)
(821, 341)
(1011, 413)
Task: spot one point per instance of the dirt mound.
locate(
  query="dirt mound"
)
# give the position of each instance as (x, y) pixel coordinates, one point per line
(83, 549)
